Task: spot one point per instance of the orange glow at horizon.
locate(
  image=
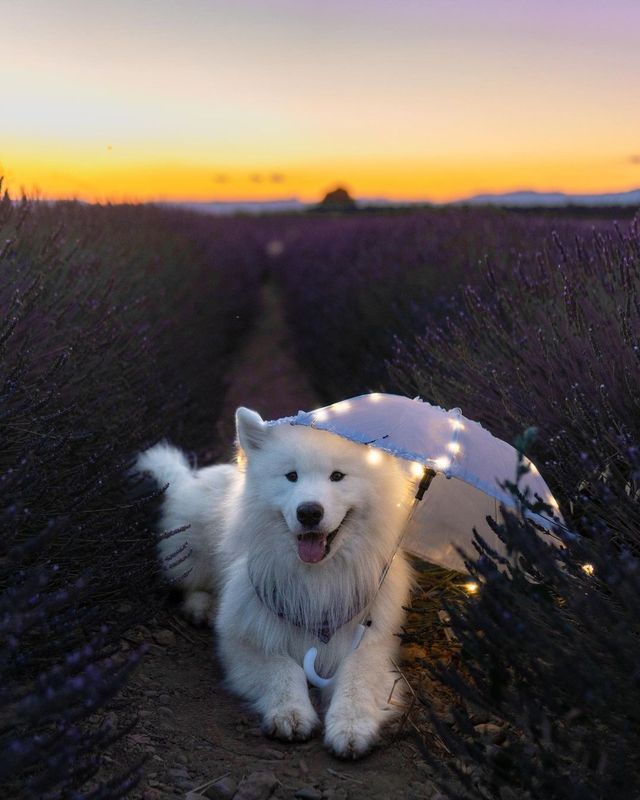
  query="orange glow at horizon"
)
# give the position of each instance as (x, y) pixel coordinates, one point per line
(97, 181)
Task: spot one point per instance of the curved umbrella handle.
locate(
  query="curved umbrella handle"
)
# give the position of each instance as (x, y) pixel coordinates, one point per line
(309, 665)
(309, 662)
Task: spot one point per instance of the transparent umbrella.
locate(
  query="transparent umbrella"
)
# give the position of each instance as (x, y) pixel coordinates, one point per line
(460, 470)
(468, 463)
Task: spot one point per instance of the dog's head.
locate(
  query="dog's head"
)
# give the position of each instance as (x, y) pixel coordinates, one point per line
(330, 492)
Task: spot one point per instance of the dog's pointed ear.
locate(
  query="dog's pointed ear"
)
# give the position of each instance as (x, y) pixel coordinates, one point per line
(251, 429)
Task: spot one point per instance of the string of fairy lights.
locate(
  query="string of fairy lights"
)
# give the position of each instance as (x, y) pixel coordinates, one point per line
(442, 463)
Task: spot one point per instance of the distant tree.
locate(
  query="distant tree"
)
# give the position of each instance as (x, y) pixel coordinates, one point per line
(338, 200)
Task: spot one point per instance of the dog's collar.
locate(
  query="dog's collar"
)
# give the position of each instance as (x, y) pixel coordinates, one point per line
(324, 629)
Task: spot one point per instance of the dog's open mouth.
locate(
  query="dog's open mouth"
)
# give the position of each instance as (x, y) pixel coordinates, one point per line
(313, 546)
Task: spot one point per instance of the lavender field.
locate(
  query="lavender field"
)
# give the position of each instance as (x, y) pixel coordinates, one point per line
(119, 325)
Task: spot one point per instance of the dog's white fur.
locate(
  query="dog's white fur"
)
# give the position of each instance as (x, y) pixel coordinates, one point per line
(242, 541)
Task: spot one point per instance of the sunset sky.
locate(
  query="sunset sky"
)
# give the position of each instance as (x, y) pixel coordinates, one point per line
(267, 99)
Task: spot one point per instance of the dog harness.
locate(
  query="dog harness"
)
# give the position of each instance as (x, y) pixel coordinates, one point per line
(324, 629)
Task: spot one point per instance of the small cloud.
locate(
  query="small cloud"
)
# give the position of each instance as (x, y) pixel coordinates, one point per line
(276, 177)
(634, 159)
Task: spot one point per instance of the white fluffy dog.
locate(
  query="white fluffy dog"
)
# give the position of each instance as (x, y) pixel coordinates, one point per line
(293, 541)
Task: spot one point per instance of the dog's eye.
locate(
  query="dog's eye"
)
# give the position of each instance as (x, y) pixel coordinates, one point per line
(336, 476)
(292, 476)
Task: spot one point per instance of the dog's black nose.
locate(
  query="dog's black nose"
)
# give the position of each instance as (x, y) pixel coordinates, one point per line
(310, 513)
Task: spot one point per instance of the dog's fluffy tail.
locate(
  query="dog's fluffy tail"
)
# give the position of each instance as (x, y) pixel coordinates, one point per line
(166, 463)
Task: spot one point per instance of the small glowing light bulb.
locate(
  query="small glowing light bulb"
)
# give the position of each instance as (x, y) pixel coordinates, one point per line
(320, 416)
(588, 569)
(375, 397)
(374, 456)
(340, 408)
(442, 463)
(457, 425)
(417, 469)
(453, 447)
(472, 587)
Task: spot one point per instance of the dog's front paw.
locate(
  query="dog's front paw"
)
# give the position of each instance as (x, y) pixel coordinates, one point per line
(350, 736)
(293, 723)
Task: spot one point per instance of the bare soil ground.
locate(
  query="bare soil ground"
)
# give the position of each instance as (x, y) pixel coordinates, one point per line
(199, 738)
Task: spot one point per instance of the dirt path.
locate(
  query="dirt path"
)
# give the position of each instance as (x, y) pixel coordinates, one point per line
(266, 376)
(192, 730)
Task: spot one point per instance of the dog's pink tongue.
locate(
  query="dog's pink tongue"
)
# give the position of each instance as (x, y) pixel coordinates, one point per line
(311, 547)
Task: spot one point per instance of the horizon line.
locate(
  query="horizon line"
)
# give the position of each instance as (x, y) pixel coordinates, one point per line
(37, 195)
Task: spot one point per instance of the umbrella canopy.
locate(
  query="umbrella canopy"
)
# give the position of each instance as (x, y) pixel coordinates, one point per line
(470, 465)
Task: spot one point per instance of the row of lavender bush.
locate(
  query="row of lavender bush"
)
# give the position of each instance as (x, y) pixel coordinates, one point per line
(522, 322)
(353, 284)
(553, 341)
(116, 327)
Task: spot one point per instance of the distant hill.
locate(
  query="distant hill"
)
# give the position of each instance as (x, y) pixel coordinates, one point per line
(522, 199)
(530, 198)
(223, 208)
